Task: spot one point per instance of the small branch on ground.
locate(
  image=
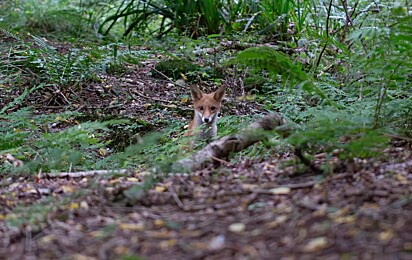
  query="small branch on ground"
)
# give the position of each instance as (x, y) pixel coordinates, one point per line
(306, 161)
(151, 98)
(83, 174)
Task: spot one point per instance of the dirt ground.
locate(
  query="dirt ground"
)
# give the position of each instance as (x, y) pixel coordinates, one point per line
(254, 209)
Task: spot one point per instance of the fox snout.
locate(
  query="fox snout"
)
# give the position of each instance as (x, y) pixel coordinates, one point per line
(206, 119)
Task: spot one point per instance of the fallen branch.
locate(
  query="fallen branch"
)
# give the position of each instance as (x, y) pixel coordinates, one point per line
(220, 149)
(83, 174)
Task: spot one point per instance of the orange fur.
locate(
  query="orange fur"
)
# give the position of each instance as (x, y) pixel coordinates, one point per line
(206, 111)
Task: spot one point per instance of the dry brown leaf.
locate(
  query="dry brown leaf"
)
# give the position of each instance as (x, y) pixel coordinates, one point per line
(280, 190)
(344, 219)
(121, 250)
(316, 244)
(47, 239)
(73, 206)
(167, 243)
(386, 235)
(158, 223)
(67, 189)
(81, 257)
(160, 188)
(131, 226)
(237, 227)
(278, 221)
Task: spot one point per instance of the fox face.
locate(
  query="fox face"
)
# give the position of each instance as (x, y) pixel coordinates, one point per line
(206, 108)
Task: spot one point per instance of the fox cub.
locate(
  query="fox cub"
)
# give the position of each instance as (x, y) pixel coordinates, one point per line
(206, 108)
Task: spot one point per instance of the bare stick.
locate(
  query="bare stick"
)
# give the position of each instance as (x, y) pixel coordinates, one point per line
(84, 174)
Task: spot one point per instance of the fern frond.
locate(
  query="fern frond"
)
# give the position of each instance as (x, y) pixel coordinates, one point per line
(279, 64)
(275, 62)
(42, 44)
(9, 34)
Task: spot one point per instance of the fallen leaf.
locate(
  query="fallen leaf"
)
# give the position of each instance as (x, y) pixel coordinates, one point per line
(401, 178)
(184, 99)
(81, 257)
(247, 186)
(160, 188)
(237, 227)
(344, 219)
(278, 221)
(316, 244)
(47, 239)
(217, 243)
(121, 250)
(102, 151)
(114, 181)
(280, 190)
(159, 223)
(407, 246)
(73, 206)
(84, 205)
(167, 243)
(67, 189)
(131, 226)
(164, 234)
(386, 235)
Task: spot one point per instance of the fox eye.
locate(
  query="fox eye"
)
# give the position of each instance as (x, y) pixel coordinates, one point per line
(201, 108)
(212, 108)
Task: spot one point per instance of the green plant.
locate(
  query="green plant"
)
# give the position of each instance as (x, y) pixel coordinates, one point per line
(61, 17)
(28, 138)
(277, 63)
(384, 59)
(32, 62)
(276, 16)
(348, 130)
(194, 18)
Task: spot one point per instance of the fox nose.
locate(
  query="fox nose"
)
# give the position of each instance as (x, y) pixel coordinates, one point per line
(206, 119)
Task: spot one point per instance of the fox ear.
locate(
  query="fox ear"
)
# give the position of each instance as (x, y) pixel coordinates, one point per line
(218, 96)
(196, 93)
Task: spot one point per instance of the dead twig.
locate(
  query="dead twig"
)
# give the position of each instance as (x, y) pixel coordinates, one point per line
(306, 161)
(153, 98)
(175, 197)
(220, 160)
(83, 174)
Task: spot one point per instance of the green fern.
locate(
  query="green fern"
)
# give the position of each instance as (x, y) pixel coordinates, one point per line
(278, 63)
(9, 34)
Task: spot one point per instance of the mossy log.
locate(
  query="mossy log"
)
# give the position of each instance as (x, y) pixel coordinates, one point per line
(220, 149)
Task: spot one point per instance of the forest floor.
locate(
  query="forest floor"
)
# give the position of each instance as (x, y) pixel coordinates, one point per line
(251, 209)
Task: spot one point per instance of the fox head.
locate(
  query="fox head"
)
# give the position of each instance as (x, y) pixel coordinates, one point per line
(207, 106)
